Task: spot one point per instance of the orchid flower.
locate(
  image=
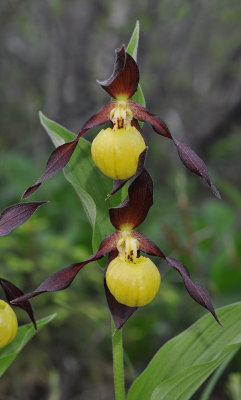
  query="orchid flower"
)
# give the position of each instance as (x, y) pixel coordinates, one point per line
(130, 279)
(120, 151)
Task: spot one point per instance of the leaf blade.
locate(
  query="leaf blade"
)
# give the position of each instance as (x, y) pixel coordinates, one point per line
(203, 345)
(212, 382)
(132, 47)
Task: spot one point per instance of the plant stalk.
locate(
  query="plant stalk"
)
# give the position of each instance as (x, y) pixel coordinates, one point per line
(118, 364)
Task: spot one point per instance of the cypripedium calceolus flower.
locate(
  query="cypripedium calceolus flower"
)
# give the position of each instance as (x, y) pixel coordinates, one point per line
(123, 140)
(130, 279)
(8, 319)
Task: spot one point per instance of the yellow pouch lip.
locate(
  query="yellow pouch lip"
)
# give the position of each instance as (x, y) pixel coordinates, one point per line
(116, 151)
(133, 284)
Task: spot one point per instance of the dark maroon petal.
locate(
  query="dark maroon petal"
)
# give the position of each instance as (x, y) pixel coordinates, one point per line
(141, 114)
(119, 64)
(101, 117)
(61, 156)
(195, 164)
(147, 246)
(63, 278)
(16, 215)
(57, 160)
(133, 210)
(189, 158)
(196, 291)
(58, 281)
(120, 312)
(11, 292)
(119, 183)
(125, 77)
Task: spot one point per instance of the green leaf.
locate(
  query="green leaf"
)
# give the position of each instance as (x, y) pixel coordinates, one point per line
(213, 380)
(88, 181)
(183, 363)
(132, 47)
(24, 334)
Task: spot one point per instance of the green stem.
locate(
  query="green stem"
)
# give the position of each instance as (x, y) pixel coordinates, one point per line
(118, 365)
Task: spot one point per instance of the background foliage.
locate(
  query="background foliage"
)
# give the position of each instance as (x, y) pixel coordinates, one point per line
(189, 59)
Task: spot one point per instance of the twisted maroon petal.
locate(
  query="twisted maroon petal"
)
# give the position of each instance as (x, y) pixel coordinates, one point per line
(61, 156)
(188, 157)
(147, 246)
(62, 279)
(134, 209)
(120, 312)
(57, 160)
(117, 185)
(11, 292)
(141, 114)
(101, 117)
(16, 215)
(124, 78)
(196, 291)
(195, 164)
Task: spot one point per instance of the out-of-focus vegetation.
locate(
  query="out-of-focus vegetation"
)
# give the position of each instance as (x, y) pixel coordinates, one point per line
(189, 59)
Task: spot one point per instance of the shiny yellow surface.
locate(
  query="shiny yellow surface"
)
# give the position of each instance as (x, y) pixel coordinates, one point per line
(8, 324)
(133, 283)
(116, 151)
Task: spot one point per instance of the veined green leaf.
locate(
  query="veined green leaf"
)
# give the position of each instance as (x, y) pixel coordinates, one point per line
(184, 362)
(24, 334)
(215, 377)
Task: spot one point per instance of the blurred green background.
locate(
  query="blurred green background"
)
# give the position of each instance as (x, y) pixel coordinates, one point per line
(51, 53)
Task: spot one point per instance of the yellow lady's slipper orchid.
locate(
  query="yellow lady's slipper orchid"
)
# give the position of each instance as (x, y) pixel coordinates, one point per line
(132, 280)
